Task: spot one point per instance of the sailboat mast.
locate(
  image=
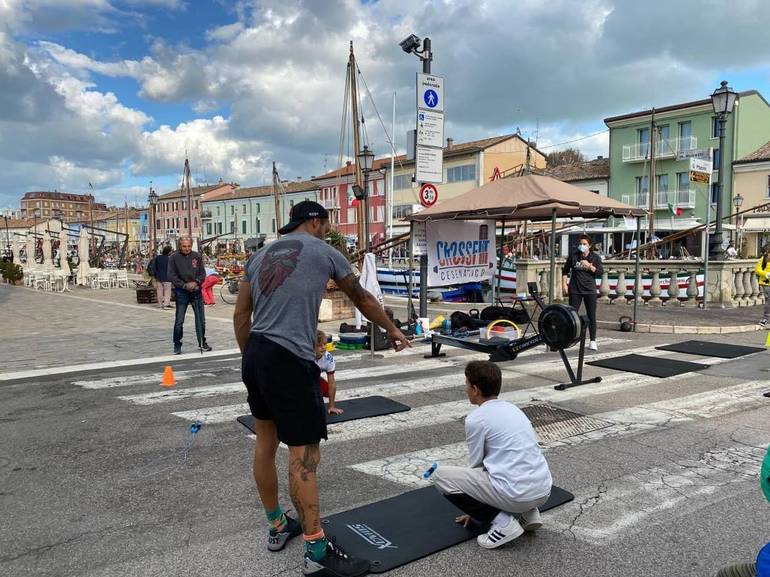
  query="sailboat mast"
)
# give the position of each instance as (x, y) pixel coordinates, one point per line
(276, 200)
(356, 125)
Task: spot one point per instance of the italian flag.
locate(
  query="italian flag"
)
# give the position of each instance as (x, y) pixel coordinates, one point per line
(674, 211)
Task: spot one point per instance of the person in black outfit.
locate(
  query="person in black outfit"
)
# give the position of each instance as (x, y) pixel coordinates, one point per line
(579, 276)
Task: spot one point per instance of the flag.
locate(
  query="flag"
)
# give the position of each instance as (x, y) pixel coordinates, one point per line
(674, 211)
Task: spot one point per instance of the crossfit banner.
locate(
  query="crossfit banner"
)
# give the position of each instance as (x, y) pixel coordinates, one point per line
(460, 251)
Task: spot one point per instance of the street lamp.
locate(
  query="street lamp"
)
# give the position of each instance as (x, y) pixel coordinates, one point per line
(737, 202)
(411, 45)
(723, 100)
(35, 216)
(366, 162)
(152, 201)
(6, 216)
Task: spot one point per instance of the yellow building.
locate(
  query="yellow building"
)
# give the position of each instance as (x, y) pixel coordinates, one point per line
(751, 180)
(467, 165)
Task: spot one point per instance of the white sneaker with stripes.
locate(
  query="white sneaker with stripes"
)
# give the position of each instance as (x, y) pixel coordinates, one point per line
(500, 535)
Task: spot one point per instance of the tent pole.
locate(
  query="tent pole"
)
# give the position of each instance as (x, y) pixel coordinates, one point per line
(499, 262)
(552, 288)
(636, 273)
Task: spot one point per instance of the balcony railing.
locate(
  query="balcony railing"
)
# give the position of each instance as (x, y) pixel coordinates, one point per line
(684, 198)
(205, 214)
(665, 148)
(330, 203)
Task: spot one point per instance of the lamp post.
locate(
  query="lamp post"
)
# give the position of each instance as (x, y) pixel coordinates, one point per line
(366, 162)
(411, 45)
(737, 203)
(6, 216)
(723, 100)
(152, 202)
(35, 213)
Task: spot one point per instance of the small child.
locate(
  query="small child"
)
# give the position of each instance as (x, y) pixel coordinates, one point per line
(325, 361)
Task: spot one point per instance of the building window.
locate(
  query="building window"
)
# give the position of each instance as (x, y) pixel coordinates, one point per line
(195, 204)
(259, 226)
(664, 140)
(644, 141)
(157, 224)
(714, 192)
(243, 226)
(195, 222)
(662, 183)
(716, 158)
(184, 205)
(232, 227)
(683, 180)
(243, 209)
(685, 132)
(184, 223)
(352, 215)
(768, 185)
(714, 127)
(219, 228)
(273, 225)
(258, 205)
(217, 211)
(232, 209)
(461, 173)
(402, 181)
(208, 228)
(642, 184)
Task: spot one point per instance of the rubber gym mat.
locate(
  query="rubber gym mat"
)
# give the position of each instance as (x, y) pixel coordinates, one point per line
(362, 408)
(651, 366)
(407, 527)
(709, 349)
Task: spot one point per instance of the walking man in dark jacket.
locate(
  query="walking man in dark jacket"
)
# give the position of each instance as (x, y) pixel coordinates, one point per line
(160, 273)
(186, 273)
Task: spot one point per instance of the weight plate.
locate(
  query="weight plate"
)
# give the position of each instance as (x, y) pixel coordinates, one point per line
(559, 326)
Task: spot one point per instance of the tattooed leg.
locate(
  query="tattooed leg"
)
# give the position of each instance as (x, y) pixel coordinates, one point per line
(303, 464)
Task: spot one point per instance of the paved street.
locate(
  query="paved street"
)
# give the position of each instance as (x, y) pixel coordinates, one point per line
(101, 476)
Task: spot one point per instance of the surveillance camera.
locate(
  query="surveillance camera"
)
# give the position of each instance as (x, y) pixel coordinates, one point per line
(410, 43)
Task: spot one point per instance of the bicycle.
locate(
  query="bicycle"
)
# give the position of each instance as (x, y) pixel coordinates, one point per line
(229, 289)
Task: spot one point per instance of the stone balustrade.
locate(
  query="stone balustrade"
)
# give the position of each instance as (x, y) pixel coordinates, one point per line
(730, 283)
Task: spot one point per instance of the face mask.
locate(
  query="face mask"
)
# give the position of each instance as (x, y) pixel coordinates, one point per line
(583, 248)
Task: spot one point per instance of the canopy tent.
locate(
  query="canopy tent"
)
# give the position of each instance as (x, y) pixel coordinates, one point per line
(530, 197)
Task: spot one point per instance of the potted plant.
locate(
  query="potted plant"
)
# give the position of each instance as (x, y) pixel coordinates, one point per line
(12, 273)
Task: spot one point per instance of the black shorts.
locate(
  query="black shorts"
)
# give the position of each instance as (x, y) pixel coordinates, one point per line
(284, 388)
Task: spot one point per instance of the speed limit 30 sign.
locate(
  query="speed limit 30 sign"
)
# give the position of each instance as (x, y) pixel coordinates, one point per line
(428, 194)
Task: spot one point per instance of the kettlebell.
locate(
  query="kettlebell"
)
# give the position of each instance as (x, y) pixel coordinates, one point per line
(626, 326)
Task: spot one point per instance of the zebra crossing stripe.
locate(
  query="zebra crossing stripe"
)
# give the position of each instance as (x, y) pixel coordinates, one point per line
(407, 468)
(225, 413)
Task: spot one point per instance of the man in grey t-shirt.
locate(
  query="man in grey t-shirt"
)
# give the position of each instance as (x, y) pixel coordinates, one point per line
(276, 318)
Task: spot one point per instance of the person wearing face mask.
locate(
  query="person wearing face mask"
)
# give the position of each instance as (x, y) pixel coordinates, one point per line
(579, 276)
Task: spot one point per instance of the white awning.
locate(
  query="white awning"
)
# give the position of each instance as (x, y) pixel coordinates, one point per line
(762, 223)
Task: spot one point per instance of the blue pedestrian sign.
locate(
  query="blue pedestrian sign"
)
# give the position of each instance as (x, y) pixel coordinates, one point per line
(430, 92)
(431, 98)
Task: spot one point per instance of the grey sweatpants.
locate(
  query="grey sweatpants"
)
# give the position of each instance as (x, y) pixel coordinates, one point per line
(476, 484)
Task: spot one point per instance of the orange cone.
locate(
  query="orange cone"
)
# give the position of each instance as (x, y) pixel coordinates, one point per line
(168, 377)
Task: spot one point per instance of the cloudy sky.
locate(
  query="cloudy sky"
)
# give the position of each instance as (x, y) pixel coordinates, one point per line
(114, 92)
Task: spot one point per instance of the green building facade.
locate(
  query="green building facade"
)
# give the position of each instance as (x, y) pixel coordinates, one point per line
(681, 128)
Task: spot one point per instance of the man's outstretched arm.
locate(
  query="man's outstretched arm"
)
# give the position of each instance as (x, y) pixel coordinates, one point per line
(371, 309)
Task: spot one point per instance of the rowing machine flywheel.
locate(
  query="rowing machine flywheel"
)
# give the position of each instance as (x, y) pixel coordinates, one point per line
(559, 326)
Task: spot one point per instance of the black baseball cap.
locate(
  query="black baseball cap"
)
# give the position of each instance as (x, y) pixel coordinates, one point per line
(301, 212)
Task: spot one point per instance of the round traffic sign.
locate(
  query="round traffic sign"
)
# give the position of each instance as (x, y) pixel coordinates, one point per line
(428, 194)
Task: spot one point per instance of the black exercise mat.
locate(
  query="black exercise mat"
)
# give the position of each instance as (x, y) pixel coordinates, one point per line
(407, 527)
(709, 349)
(652, 366)
(362, 408)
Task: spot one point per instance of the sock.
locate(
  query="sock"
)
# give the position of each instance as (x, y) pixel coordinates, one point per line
(315, 546)
(501, 520)
(277, 519)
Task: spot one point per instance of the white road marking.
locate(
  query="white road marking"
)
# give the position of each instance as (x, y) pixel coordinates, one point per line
(114, 364)
(407, 468)
(132, 380)
(442, 412)
(614, 510)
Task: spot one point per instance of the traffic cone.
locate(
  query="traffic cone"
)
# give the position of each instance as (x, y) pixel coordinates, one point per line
(168, 377)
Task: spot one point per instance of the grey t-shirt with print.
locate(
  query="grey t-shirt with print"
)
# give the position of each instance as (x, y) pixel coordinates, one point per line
(288, 278)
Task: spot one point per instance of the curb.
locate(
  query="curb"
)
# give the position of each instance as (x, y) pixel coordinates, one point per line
(688, 329)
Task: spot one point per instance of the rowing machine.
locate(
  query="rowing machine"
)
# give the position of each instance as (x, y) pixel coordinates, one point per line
(560, 327)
